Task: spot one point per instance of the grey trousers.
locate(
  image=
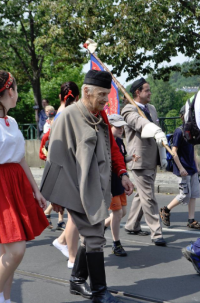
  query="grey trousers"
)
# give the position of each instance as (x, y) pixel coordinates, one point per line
(91, 236)
(144, 202)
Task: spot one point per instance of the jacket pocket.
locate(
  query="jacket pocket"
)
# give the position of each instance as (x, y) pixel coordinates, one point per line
(49, 178)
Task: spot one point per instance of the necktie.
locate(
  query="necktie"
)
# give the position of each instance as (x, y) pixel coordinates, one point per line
(147, 113)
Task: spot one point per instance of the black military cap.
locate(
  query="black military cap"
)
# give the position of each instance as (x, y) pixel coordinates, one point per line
(98, 78)
(136, 84)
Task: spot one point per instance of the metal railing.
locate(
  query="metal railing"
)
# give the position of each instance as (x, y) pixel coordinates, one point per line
(169, 125)
(29, 130)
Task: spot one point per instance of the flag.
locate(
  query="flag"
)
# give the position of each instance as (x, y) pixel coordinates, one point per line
(112, 106)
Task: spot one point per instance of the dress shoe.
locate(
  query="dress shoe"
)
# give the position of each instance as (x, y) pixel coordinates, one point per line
(159, 242)
(80, 287)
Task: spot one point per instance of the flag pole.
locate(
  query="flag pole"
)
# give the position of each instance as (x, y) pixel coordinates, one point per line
(128, 97)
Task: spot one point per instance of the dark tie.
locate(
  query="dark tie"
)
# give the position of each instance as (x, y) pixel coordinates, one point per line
(147, 113)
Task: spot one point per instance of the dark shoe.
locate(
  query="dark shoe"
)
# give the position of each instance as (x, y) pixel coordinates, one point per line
(105, 297)
(190, 255)
(159, 242)
(193, 225)
(119, 251)
(96, 269)
(61, 226)
(165, 216)
(78, 284)
(138, 232)
(50, 226)
(80, 287)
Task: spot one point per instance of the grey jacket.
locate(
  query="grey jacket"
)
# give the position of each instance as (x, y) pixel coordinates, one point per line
(145, 148)
(77, 174)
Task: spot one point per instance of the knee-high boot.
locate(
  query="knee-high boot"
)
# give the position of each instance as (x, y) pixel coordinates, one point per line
(96, 270)
(78, 284)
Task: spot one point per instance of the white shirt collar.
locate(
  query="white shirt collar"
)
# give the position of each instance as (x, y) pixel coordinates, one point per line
(140, 104)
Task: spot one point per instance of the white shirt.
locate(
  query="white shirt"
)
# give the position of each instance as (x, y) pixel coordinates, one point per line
(12, 144)
(46, 127)
(197, 109)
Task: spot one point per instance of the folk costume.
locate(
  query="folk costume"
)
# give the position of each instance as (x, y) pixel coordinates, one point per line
(77, 176)
(21, 217)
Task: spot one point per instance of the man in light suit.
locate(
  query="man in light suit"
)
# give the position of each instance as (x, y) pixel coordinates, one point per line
(144, 170)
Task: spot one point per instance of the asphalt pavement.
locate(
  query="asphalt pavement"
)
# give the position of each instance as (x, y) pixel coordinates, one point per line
(148, 274)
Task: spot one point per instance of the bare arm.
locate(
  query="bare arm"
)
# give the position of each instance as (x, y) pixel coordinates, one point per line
(195, 159)
(182, 170)
(41, 200)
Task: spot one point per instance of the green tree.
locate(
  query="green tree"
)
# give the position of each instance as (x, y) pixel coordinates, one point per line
(50, 89)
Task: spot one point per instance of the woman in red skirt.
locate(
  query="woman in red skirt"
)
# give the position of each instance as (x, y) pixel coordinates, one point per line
(21, 203)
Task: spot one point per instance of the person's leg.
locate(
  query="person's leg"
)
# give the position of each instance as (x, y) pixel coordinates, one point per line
(48, 210)
(60, 244)
(61, 224)
(165, 211)
(60, 217)
(9, 261)
(144, 180)
(48, 215)
(191, 208)
(108, 220)
(72, 238)
(115, 223)
(92, 237)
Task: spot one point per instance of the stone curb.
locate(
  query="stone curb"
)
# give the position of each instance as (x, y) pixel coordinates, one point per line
(160, 186)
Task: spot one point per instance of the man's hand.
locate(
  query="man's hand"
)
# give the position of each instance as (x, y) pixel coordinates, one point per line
(163, 163)
(57, 208)
(161, 138)
(128, 185)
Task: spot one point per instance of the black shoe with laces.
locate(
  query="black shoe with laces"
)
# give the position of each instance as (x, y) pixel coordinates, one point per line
(119, 251)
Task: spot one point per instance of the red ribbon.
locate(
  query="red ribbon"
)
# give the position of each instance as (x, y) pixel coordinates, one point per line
(6, 121)
(8, 83)
(69, 94)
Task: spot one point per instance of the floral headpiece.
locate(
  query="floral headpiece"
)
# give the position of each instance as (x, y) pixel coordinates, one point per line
(8, 83)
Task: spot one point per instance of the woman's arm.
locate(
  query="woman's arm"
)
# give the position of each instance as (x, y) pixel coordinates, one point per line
(41, 200)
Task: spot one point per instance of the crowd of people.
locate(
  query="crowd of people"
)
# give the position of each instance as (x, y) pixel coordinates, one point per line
(85, 174)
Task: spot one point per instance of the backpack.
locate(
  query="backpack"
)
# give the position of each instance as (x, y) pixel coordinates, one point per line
(191, 131)
(170, 161)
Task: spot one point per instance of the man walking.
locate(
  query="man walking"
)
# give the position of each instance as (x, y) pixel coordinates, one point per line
(77, 176)
(144, 170)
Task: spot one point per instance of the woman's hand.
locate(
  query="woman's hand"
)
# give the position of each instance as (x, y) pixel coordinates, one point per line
(41, 200)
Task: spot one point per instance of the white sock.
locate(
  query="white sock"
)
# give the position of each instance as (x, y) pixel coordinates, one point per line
(7, 301)
(2, 299)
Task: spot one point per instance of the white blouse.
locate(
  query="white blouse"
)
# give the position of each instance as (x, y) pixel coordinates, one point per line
(12, 143)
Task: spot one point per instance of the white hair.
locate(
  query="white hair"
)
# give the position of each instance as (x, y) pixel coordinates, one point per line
(90, 89)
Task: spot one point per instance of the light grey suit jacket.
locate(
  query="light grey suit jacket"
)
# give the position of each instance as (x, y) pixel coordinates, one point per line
(145, 148)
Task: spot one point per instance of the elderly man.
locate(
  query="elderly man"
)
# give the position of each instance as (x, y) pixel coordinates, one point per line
(139, 135)
(77, 176)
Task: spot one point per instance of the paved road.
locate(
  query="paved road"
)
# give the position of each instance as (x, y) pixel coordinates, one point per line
(154, 274)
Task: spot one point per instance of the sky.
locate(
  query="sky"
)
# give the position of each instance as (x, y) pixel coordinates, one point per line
(122, 79)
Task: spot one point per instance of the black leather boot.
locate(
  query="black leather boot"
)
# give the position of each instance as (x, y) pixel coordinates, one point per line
(96, 269)
(78, 284)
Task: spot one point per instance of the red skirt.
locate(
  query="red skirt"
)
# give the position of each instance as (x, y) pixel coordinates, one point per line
(21, 217)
